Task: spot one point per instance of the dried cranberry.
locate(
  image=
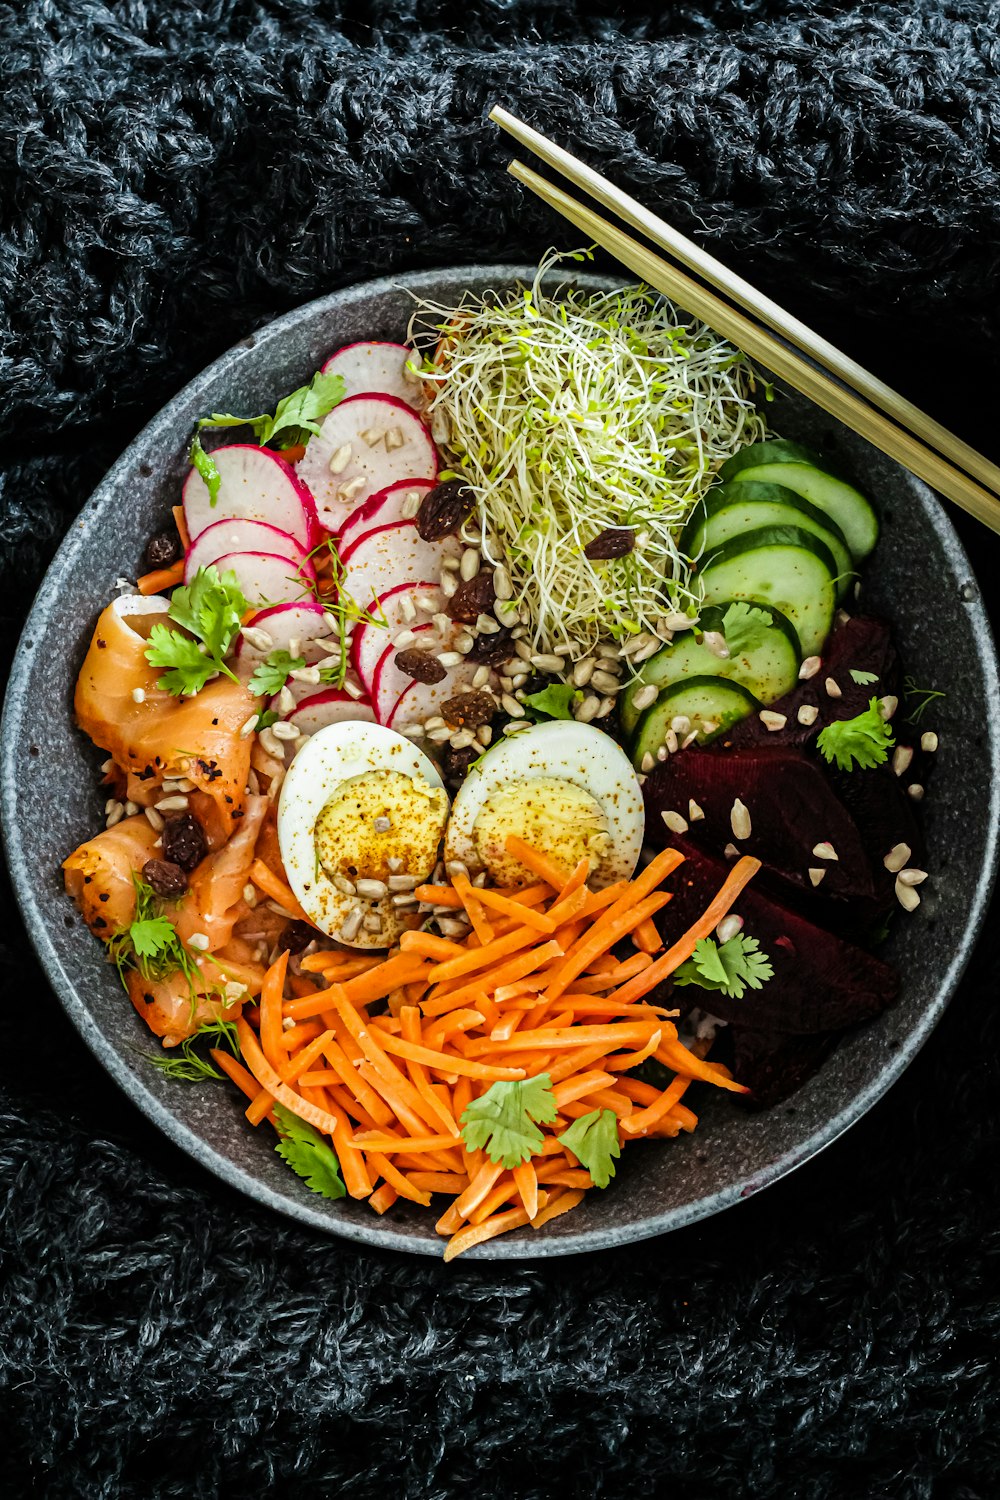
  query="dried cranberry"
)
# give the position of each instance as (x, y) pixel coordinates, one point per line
(469, 710)
(420, 665)
(296, 936)
(162, 550)
(183, 841)
(472, 598)
(614, 541)
(166, 878)
(443, 510)
(492, 650)
(455, 763)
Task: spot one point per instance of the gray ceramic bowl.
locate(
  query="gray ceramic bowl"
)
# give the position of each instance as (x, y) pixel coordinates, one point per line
(921, 579)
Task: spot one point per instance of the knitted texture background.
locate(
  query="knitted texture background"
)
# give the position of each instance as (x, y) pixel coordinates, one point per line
(174, 175)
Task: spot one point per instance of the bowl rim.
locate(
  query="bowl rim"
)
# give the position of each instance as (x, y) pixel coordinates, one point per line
(379, 1234)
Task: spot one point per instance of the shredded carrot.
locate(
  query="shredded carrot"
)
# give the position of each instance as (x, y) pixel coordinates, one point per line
(646, 937)
(439, 895)
(477, 1234)
(265, 879)
(498, 901)
(270, 1011)
(539, 864)
(244, 1080)
(383, 1198)
(430, 946)
(180, 521)
(161, 578)
(555, 1206)
(474, 909)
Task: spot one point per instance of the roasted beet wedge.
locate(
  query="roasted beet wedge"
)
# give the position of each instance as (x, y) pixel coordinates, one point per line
(821, 982)
(863, 643)
(772, 1064)
(793, 811)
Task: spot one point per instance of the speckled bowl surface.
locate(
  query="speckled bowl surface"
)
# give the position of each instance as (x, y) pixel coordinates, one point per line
(920, 578)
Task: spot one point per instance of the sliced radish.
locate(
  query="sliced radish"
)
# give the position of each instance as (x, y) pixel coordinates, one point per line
(389, 684)
(398, 556)
(372, 441)
(389, 507)
(420, 700)
(308, 627)
(375, 369)
(256, 485)
(239, 535)
(329, 707)
(266, 578)
(369, 641)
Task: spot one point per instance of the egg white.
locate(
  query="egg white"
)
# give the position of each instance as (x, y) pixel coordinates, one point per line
(567, 751)
(332, 756)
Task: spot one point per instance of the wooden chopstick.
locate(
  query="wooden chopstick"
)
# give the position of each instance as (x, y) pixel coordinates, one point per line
(752, 301)
(769, 352)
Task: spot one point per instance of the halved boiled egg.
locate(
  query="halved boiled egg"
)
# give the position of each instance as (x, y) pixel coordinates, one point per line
(564, 787)
(360, 818)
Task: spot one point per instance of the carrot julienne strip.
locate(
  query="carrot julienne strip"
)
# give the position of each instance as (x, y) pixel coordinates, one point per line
(556, 1205)
(477, 1234)
(468, 961)
(398, 1180)
(269, 1079)
(383, 1198)
(538, 863)
(617, 922)
(474, 910)
(161, 578)
(521, 913)
(379, 1141)
(270, 1011)
(273, 886)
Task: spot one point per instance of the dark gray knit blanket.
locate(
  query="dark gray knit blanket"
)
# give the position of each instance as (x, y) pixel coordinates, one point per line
(174, 174)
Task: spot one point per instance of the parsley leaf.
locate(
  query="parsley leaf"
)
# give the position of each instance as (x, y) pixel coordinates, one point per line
(151, 942)
(502, 1121)
(266, 719)
(152, 937)
(272, 673)
(308, 1154)
(731, 967)
(296, 417)
(744, 627)
(863, 678)
(593, 1140)
(210, 608)
(556, 700)
(866, 740)
(207, 468)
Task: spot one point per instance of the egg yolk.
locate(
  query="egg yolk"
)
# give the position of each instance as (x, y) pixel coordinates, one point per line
(378, 816)
(557, 817)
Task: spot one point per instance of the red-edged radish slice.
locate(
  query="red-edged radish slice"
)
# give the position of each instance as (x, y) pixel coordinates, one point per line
(239, 535)
(376, 369)
(256, 485)
(266, 578)
(372, 442)
(421, 700)
(390, 507)
(389, 684)
(329, 707)
(385, 560)
(369, 641)
(307, 626)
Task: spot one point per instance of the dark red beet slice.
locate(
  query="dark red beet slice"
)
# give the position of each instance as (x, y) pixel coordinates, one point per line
(773, 1065)
(864, 643)
(821, 982)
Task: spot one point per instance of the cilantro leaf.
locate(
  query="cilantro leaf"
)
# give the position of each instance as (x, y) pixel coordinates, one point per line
(272, 673)
(593, 1140)
(731, 967)
(266, 719)
(863, 678)
(210, 609)
(296, 417)
(556, 700)
(151, 942)
(502, 1121)
(153, 937)
(207, 468)
(865, 740)
(308, 1154)
(744, 627)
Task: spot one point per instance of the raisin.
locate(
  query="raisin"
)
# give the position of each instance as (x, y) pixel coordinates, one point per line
(469, 710)
(443, 510)
(492, 650)
(420, 665)
(183, 841)
(296, 936)
(472, 598)
(615, 541)
(455, 763)
(166, 878)
(162, 550)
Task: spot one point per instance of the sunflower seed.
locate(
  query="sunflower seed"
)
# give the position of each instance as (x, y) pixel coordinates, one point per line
(810, 666)
(486, 625)
(816, 874)
(729, 927)
(584, 712)
(393, 439)
(901, 758)
(382, 824)
(410, 504)
(605, 683)
(675, 822)
(502, 587)
(309, 676)
(198, 940)
(908, 898)
(645, 697)
(115, 812)
(469, 565)
(285, 731)
(916, 791)
(340, 459)
(912, 877)
(511, 706)
(352, 489)
(929, 741)
(450, 658)
(171, 804)
(807, 714)
(739, 820)
(138, 695)
(832, 688)
(399, 883)
(887, 706)
(715, 642)
(681, 724)
(897, 858)
(259, 639)
(772, 721)
(583, 671)
(449, 585)
(372, 890)
(546, 661)
(731, 851)
(825, 850)
(695, 813)
(154, 820)
(647, 763)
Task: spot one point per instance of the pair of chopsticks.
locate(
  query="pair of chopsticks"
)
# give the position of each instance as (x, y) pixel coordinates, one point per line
(855, 397)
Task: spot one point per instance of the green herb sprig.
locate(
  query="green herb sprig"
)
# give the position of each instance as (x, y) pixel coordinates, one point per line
(209, 610)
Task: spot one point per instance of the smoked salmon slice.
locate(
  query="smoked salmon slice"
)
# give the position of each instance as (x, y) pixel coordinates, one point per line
(153, 735)
(98, 875)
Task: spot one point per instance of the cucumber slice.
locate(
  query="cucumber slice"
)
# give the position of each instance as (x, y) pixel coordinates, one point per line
(798, 469)
(713, 704)
(779, 565)
(768, 669)
(730, 509)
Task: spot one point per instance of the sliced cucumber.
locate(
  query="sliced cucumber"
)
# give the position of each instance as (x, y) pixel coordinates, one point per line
(712, 704)
(783, 566)
(768, 669)
(730, 509)
(798, 469)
